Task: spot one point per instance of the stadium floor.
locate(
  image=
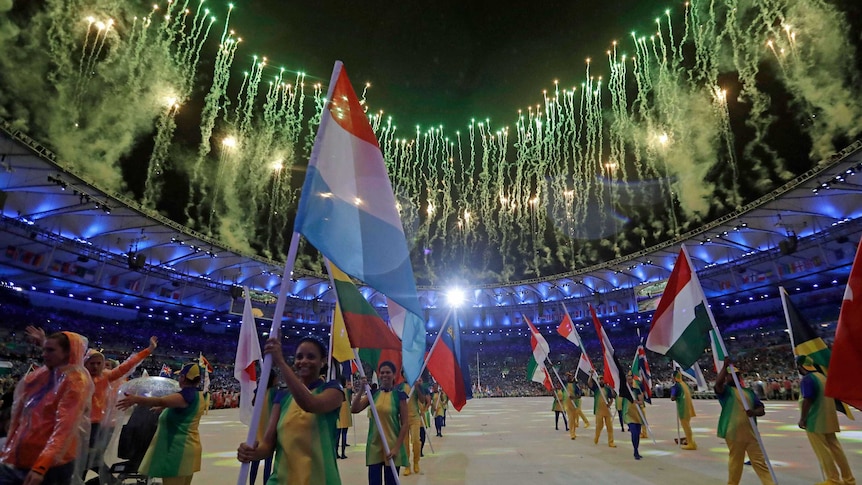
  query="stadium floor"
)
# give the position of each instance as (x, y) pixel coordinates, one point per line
(513, 441)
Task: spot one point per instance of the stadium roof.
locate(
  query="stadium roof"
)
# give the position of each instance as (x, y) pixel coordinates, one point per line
(62, 233)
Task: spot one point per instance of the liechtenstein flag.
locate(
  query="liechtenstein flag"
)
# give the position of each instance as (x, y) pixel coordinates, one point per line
(446, 365)
(347, 210)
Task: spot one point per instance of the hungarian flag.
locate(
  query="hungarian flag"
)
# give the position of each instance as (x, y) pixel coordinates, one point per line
(717, 352)
(447, 365)
(347, 210)
(681, 324)
(247, 356)
(613, 372)
(536, 370)
(364, 327)
(847, 348)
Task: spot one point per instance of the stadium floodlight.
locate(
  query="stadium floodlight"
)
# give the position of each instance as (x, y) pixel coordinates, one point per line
(455, 297)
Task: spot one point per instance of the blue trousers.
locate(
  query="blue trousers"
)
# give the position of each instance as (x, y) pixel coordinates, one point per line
(635, 430)
(380, 473)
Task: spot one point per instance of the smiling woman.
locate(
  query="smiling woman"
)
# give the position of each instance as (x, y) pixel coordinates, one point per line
(301, 428)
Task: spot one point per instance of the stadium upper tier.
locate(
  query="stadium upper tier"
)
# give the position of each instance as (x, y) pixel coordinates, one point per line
(66, 237)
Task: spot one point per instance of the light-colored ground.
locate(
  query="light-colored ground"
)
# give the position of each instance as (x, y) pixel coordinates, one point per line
(512, 441)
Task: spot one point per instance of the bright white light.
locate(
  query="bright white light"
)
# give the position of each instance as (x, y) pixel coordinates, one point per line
(455, 297)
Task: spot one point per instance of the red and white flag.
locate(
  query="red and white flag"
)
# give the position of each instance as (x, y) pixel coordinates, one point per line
(569, 332)
(846, 360)
(536, 370)
(247, 356)
(613, 372)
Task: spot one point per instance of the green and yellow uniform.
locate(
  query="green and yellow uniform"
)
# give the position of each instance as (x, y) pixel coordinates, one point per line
(175, 450)
(305, 443)
(821, 424)
(735, 427)
(681, 393)
(387, 403)
(602, 412)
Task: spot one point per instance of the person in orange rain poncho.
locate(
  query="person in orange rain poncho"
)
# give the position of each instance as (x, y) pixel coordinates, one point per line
(50, 416)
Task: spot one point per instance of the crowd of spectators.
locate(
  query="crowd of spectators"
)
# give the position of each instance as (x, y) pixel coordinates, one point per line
(498, 367)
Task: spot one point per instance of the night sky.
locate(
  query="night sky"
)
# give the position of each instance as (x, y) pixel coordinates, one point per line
(445, 61)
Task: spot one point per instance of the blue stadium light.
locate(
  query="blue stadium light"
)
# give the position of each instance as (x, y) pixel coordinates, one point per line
(455, 297)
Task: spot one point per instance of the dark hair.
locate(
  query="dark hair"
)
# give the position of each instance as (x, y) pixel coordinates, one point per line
(321, 347)
(386, 363)
(63, 340)
(317, 342)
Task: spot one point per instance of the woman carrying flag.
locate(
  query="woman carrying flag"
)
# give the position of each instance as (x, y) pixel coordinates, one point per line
(391, 404)
(631, 414)
(301, 427)
(681, 394)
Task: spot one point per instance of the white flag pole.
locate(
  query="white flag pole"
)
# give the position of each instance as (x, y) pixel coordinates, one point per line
(436, 341)
(266, 367)
(732, 370)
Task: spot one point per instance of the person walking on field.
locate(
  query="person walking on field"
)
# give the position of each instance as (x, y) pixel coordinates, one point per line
(680, 393)
(819, 418)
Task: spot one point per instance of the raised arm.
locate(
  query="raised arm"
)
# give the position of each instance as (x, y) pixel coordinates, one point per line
(135, 359)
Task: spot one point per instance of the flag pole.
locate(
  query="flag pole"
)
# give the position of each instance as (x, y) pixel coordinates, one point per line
(330, 370)
(783, 293)
(595, 375)
(266, 367)
(678, 436)
(478, 375)
(732, 371)
(377, 422)
(641, 414)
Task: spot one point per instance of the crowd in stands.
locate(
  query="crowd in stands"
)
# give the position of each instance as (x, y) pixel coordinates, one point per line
(762, 351)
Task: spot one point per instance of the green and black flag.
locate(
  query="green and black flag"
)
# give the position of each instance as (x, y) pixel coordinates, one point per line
(806, 341)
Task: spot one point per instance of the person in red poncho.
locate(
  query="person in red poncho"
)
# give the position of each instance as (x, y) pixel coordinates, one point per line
(50, 416)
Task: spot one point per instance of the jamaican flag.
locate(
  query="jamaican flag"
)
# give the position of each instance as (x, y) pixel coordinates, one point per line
(806, 341)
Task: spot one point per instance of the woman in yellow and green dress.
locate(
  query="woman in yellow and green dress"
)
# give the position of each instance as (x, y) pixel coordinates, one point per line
(557, 408)
(301, 428)
(631, 415)
(174, 454)
(391, 404)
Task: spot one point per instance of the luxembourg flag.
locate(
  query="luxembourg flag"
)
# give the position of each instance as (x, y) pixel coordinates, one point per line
(348, 211)
(681, 323)
(247, 355)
